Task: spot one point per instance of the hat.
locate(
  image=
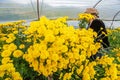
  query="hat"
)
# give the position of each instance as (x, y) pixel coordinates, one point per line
(92, 11)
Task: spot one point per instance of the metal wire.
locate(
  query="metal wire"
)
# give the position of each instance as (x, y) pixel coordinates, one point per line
(34, 10)
(113, 16)
(41, 8)
(114, 19)
(97, 3)
(38, 12)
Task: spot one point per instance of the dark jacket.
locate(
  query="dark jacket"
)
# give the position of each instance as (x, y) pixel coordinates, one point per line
(98, 26)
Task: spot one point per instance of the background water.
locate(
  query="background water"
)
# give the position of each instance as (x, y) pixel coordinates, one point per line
(116, 24)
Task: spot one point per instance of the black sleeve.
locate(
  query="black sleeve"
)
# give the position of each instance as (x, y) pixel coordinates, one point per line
(96, 25)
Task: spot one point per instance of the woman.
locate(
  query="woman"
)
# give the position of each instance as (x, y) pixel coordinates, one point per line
(99, 27)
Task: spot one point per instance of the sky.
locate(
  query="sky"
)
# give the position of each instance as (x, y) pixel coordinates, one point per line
(66, 2)
(79, 2)
(108, 6)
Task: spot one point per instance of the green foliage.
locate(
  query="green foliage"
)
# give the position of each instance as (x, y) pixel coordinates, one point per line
(114, 39)
(100, 71)
(83, 23)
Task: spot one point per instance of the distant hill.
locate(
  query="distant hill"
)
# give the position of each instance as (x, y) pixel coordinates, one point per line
(5, 1)
(14, 11)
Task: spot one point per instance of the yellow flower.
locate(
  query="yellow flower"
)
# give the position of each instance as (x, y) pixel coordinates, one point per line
(15, 32)
(80, 69)
(35, 65)
(22, 46)
(105, 60)
(49, 37)
(101, 28)
(112, 71)
(5, 46)
(70, 55)
(12, 47)
(67, 76)
(86, 16)
(1, 72)
(3, 38)
(54, 57)
(6, 53)
(106, 78)
(118, 58)
(92, 72)
(48, 61)
(118, 78)
(28, 40)
(61, 75)
(16, 76)
(44, 55)
(17, 53)
(8, 79)
(6, 60)
(86, 77)
(11, 38)
(9, 67)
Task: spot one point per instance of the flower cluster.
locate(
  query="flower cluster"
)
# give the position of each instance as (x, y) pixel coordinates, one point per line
(51, 48)
(58, 47)
(8, 49)
(84, 18)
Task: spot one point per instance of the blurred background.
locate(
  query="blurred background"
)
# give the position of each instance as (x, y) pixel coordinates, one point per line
(12, 10)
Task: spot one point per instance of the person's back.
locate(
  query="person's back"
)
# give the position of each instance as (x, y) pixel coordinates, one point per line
(99, 27)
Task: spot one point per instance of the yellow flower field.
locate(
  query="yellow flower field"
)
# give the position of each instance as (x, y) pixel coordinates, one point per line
(50, 48)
